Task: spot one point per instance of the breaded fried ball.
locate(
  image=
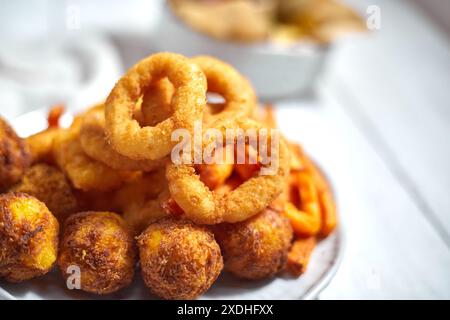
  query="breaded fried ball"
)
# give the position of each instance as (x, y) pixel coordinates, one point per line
(102, 246)
(49, 185)
(15, 156)
(179, 260)
(28, 237)
(256, 248)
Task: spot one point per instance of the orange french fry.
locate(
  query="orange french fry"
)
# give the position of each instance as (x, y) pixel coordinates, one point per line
(305, 220)
(54, 115)
(214, 175)
(326, 199)
(298, 257)
(329, 216)
(304, 224)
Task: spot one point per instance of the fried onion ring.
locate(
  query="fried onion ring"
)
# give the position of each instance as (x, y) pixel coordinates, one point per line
(125, 134)
(156, 103)
(95, 145)
(223, 79)
(204, 206)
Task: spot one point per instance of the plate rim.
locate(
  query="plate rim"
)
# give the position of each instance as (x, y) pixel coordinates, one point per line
(312, 292)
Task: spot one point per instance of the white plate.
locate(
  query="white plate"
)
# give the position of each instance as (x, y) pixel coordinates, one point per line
(323, 265)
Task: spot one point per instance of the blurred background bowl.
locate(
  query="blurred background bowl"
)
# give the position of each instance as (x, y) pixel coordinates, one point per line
(274, 70)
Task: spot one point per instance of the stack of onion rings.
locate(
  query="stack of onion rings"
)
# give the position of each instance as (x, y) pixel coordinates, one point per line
(203, 206)
(245, 186)
(223, 79)
(125, 134)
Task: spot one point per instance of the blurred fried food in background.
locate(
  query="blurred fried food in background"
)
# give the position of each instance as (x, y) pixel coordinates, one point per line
(281, 21)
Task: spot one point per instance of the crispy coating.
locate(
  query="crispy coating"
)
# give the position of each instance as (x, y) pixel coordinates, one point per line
(203, 206)
(95, 145)
(125, 134)
(179, 260)
(102, 246)
(49, 185)
(15, 156)
(223, 79)
(28, 237)
(41, 145)
(256, 248)
(84, 172)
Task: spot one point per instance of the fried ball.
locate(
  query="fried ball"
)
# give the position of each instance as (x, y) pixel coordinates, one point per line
(256, 248)
(179, 260)
(15, 156)
(50, 186)
(28, 237)
(102, 246)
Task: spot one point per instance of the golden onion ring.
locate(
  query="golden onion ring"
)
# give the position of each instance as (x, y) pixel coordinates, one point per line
(125, 134)
(204, 206)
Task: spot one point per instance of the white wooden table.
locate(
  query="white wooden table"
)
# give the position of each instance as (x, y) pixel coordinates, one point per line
(379, 125)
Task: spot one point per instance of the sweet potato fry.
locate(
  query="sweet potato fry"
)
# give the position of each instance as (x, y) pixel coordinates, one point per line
(306, 215)
(298, 257)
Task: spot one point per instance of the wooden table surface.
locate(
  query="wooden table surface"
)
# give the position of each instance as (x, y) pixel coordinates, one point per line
(379, 124)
